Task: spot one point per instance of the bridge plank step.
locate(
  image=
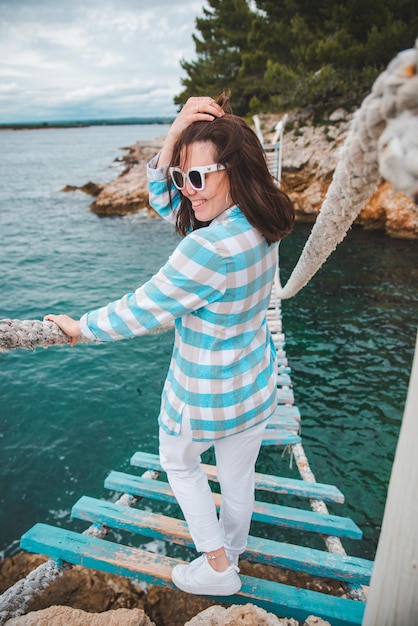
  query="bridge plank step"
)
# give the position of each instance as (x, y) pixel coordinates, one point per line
(282, 361)
(276, 436)
(283, 379)
(157, 526)
(286, 411)
(274, 421)
(285, 395)
(265, 482)
(263, 511)
(280, 599)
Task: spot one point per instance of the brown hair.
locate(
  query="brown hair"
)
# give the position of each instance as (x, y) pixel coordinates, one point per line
(253, 189)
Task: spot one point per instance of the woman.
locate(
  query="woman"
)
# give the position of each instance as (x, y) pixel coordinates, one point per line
(212, 180)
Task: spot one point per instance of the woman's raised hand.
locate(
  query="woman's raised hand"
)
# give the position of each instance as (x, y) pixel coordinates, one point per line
(196, 109)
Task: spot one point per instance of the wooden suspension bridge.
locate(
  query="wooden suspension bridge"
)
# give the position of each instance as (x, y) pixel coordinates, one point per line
(139, 489)
(389, 114)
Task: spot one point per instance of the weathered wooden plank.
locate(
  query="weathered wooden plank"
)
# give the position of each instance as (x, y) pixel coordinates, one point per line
(263, 511)
(285, 395)
(264, 482)
(59, 543)
(282, 360)
(296, 603)
(287, 411)
(284, 379)
(300, 488)
(279, 422)
(103, 555)
(276, 436)
(157, 526)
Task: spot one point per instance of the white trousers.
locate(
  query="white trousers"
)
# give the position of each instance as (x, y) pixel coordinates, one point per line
(235, 461)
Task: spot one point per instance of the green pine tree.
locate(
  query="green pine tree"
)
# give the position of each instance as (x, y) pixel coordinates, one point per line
(274, 55)
(223, 29)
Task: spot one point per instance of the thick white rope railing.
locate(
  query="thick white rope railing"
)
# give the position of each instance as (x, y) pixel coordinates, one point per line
(30, 334)
(383, 140)
(333, 544)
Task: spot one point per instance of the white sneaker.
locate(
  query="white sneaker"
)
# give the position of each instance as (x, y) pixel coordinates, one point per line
(232, 558)
(200, 578)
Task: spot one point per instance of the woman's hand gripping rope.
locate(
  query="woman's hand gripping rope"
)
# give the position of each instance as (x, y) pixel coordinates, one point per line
(68, 325)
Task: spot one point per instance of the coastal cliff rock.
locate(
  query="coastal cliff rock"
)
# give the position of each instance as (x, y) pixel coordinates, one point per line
(128, 192)
(66, 616)
(310, 155)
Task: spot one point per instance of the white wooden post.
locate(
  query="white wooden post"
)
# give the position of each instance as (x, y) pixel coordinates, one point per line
(393, 594)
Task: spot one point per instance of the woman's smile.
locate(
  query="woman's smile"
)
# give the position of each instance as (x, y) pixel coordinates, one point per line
(214, 198)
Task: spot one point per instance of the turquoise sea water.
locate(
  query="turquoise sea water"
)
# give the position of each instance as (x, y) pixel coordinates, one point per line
(69, 416)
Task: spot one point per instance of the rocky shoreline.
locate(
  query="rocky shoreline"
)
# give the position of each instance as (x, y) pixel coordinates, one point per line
(310, 155)
(93, 598)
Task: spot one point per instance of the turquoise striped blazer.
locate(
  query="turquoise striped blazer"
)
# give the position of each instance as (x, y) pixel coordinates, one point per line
(216, 288)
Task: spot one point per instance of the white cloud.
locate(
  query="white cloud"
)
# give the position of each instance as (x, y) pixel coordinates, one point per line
(101, 58)
(8, 88)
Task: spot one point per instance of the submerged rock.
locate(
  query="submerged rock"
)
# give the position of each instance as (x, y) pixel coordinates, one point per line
(93, 189)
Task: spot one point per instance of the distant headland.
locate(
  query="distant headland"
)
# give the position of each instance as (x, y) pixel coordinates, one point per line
(85, 123)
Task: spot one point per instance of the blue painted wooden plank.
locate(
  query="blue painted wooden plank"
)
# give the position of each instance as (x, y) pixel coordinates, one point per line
(276, 328)
(279, 345)
(264, 482)
(290, 602)
(293, 557)
(282, 361)
(285, 395)
(87, 551)
(103, 555)
(287, 411)
(276, 436)
(146, 461)
(263, 511)
(284, 379)
(279, 422)
(300, 488)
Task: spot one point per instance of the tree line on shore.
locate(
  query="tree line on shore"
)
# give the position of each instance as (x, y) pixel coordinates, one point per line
(278, 55)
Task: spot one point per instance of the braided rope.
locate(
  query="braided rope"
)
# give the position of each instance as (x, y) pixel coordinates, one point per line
(17, 599)
(394, 95)
(30, 334)
(333, 544)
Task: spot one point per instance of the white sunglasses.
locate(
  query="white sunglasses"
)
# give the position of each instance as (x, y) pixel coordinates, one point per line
(195, 175)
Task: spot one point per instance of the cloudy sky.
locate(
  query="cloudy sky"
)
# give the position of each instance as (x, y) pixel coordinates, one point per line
(80, 59)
